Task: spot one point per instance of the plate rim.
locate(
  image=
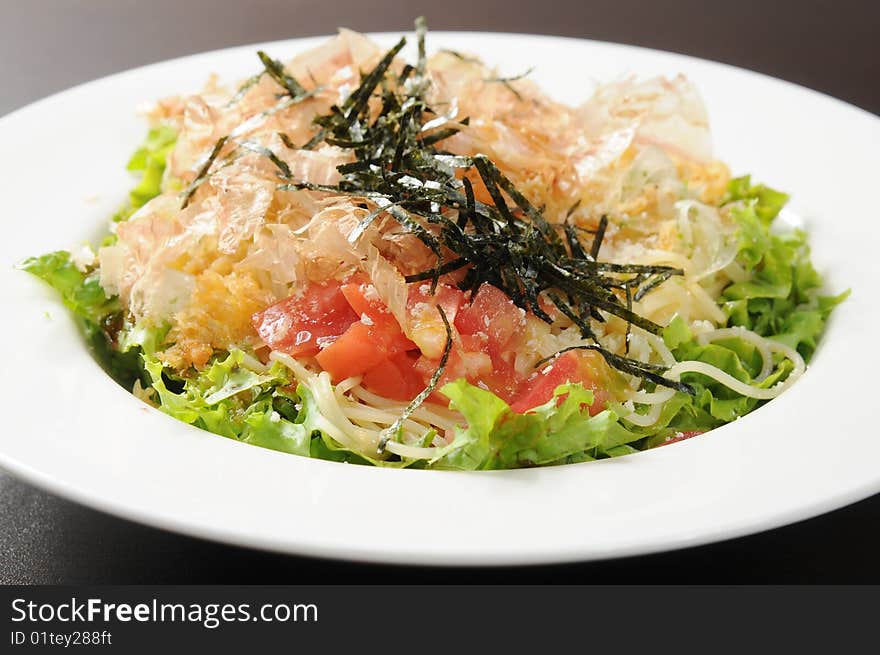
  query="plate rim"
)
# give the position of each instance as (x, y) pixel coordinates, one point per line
(108, 505)
(441, 33)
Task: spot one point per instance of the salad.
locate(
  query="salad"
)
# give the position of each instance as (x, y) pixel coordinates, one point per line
(429, 265)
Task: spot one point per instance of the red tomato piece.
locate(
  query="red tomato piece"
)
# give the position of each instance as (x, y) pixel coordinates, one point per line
(494, 314)
(473, 343)
(363, 298)
(354, 353)
(503, 379)
(570, 367)
(302, 324)
(468, 359)
(424, 323)
(448, 297)
(384, 328)
(395, 378)
(370, 342)
(470, 363)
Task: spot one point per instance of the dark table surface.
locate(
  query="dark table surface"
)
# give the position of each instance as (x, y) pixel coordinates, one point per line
(46, 46)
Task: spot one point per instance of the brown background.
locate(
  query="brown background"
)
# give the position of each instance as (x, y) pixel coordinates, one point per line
(48, 45)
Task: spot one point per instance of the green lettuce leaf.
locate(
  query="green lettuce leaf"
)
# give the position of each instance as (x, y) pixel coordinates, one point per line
(782, 298)
(557, 432)
(266, 428)
(231, 400)
(94, 311)
(767, 202)
(754, 237)
(149, 160)
(80, 291)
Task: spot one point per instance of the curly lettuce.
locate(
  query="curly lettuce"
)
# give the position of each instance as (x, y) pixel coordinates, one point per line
(780, 298)
(79, 288)
(230, 399)
(557, 432)
(149, 162)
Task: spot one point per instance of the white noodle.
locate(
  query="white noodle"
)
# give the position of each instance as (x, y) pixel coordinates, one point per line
(412, 452)
(331, 416)
(299, 371)
(660, 348)
(668, 360)
(760, 343)
(427, 412)
(254, 364)
(652, 398)
(735, 272)
(644, 420)
(346, 385)
(706, 302)
(764, 346)
(739, 387)
(355, 417)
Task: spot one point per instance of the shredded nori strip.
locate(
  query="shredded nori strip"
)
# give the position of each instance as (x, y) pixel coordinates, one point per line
(244, 88)
(460, 56)
(512, 78)
(506, 81)
(282, 166)
(644, 370)
(509, 244)
(275, 69)
(203, 172)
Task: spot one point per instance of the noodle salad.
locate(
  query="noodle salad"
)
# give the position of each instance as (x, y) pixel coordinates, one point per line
(426, 264)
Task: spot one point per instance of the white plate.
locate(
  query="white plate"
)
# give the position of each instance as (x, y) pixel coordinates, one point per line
(70, 429)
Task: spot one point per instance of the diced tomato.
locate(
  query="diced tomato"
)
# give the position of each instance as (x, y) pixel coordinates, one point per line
(369, 342)
(503, 380)
(468, 359)
(351, 333)
(473, 343)
(448, 297)
(570, 367)
(461, 364)
(491, 313)
(395, 378)
(481, 352)
(363, 298)
(352, 354)
(385, 329)
(425, 325)
(302, 324)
